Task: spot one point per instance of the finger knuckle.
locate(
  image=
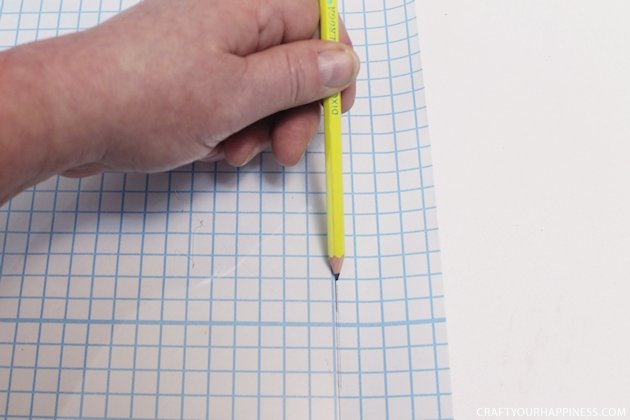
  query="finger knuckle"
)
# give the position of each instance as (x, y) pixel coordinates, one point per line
(297, 70)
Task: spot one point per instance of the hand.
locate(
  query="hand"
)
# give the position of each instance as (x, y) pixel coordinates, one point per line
(169, 82)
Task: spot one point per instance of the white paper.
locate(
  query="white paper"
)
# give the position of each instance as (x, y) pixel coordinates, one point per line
(206, 292)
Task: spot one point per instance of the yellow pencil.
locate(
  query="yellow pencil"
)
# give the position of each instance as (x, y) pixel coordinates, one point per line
(332, 133)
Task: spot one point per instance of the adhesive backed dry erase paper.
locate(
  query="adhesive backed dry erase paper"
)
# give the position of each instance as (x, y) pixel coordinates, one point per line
(205, 293)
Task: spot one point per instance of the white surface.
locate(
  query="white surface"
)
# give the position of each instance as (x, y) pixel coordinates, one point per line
(529, 108)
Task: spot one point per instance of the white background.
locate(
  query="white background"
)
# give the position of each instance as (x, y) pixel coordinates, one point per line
(529, 107)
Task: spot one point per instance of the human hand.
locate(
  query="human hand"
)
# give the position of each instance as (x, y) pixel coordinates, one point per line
(166, 83)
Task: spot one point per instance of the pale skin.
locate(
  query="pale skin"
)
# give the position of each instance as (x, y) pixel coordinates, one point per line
(167, 83)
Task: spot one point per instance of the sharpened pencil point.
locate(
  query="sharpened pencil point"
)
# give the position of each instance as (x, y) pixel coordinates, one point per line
(335, 266)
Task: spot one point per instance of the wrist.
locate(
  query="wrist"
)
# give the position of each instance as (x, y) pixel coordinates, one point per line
(25, 152)
(66, 77)
(48, 114)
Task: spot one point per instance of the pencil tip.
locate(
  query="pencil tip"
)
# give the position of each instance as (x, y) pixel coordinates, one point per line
(335, 266)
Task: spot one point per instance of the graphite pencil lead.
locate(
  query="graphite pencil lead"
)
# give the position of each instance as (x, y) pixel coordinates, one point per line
(336, 277)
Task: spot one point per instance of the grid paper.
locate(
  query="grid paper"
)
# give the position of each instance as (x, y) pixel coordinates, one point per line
(205, 292)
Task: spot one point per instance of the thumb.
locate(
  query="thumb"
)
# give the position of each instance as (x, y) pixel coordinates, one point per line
(295, 74)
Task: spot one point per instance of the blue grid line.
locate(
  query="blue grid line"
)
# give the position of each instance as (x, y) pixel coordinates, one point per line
(290, 234)
(8, 399)
(260, 300)
(235, 326)
(313, 278)
(383, 44)
(96, 241)
(335, 350)
(211, 300)
(367, 12)
(289, 396)
(153, 418)
(153, 213)
(90, 301)
(114, 300)
(41, 313)
(308, 289)
(244, 212)
(386, 133)
(401, 5)
(66, 305)
(98, 220)
(284, 304)
(402, 242)
(94, 12)
(386, 114)
(284, 324)
(378, 244)
(187, 299)
(351, 28)
(158, 212)
(162, 322)
(129, 299)
(19, 307)
(246, 254)
(220, 191)
(254, 371)
(154, 346)
(139, 302)
(356, 270)
(355, 261)
(149, 234)
(428, 260)
(395, 94)
(39, 330)
(293, 170)
(110, 11)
